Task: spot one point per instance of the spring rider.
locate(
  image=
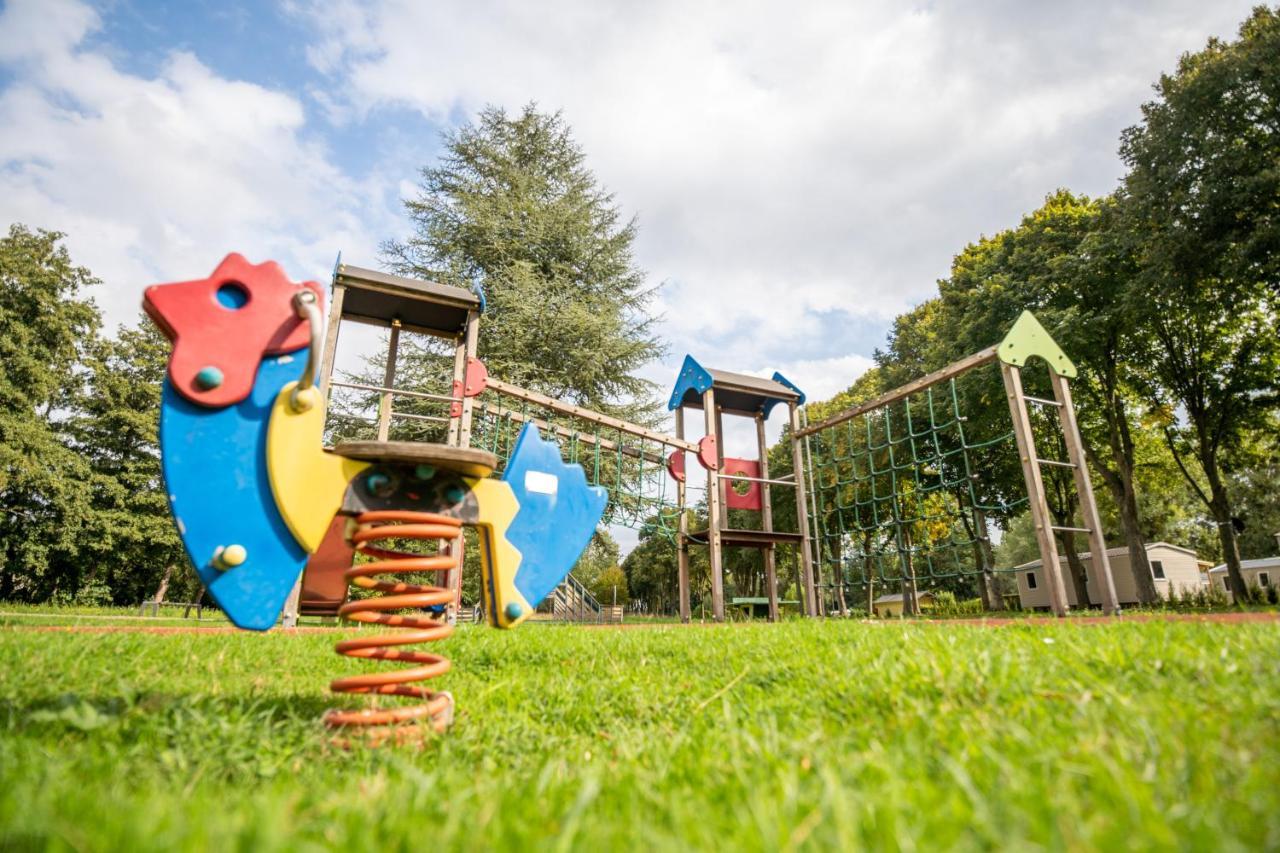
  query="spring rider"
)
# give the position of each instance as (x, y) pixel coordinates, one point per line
(253, 491)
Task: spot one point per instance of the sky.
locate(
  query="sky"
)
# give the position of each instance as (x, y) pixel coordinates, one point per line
(800, 172)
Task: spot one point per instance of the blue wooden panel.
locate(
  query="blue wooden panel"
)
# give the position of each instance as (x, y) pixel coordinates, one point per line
(558, 513)
(215, 471)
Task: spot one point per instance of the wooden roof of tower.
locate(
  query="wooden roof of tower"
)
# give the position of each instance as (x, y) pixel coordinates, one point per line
(421, 306)
(735, 392)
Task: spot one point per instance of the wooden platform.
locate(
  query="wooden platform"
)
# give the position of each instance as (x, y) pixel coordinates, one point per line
(749, 538)
(462, 460)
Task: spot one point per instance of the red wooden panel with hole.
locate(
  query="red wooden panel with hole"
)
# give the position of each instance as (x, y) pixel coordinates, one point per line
(742, 494)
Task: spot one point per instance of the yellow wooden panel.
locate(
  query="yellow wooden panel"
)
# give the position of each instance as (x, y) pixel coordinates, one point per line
(307, 482)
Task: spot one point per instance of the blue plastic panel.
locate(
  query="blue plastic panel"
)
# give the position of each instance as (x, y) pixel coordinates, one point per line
(215, 472)
(782, 380)
(692, 375)
(558, 513)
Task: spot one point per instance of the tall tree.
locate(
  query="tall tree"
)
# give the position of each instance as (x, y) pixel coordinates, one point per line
(131, 538)
(1063, 263)
(1202, 201)
(46, 324)
(512, 210)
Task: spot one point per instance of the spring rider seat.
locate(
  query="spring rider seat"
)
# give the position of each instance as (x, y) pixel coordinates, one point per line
(253, 491)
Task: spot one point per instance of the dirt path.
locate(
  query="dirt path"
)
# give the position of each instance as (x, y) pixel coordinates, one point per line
(159, 629)
(1231, 618)
(1228, 618)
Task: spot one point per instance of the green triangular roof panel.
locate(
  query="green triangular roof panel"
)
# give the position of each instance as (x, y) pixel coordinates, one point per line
(1028, 338)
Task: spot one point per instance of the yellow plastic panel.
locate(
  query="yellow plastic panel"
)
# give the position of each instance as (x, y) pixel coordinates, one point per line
(307, 482)
(501, 559)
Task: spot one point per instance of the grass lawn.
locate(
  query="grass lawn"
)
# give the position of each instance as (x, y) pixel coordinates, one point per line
(1133, 736)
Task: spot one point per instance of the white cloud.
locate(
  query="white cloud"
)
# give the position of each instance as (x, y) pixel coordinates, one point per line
(156, 178)
(789, 161)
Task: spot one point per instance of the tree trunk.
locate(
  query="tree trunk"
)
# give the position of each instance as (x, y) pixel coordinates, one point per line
(1119, 479)
(985, 559)
(1220, 508)
(1125, 493)
(164, 584)
(868, 572)
(839, 573)
(1139, 563)
(910, 602)
(1075, 566)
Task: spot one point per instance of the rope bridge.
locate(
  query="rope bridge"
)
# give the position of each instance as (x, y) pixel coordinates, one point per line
(627, 459)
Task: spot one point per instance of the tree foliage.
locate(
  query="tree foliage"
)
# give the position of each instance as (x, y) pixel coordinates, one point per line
(513, 211)
(1202, 209)
(47, 323)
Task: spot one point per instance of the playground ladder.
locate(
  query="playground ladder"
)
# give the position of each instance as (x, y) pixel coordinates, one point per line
(1031, 470)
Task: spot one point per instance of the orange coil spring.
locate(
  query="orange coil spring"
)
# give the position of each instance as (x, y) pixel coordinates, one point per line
(408, 722)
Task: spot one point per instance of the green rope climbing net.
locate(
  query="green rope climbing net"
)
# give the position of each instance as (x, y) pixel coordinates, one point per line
(904, 492)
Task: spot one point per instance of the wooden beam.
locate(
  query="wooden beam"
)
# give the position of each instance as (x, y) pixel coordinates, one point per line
(714, 520)
(682, 537)
(588, 415)
(459, 377)
(802, 517)
(388, 382)
(331, 340)
(915, 386)
(766, 521)
(1099, 560)
(471, 337)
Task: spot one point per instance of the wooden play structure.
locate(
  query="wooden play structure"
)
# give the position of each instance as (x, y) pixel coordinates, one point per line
(742, 484)
(397, 304)
(881, 473)
(275, 522)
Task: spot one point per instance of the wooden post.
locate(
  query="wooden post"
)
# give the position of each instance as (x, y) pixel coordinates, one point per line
(1035, 487)
(460, 436)
(472, 342)
(713, 511)
(723, 483)
(388, 379)
(766, 522)
(682, 536)
(459, 377)
(802, 515)
(331, 339)
(1099, 561)
(289, 617)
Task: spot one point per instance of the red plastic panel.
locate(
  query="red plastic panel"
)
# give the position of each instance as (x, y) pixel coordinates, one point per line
(675, 465)
(742, 494)
(222, 327)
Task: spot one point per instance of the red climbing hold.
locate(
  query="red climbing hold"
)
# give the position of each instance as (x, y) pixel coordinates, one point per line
(477, 380)
(675, 465)
(707, 453)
